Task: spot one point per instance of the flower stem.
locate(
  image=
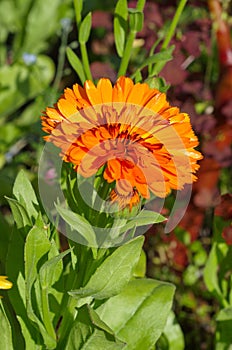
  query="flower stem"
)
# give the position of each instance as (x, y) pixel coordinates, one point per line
(174, 23)
(61, 58)
(127, 53)
(131, 37)
(70, 303)
(85, 61)
(159, 66)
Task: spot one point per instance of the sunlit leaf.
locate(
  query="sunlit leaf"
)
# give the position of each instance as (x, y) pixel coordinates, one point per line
(114, 273)
(76, 64)
(120, 25)
(139, 313)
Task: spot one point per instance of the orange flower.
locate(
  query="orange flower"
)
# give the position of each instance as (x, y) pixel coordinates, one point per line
(131, 130)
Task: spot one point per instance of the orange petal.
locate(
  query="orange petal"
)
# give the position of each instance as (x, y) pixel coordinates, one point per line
(66, 108)
(104, 86)
(92, 93)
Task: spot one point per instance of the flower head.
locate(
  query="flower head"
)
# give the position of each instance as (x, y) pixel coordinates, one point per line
(131, 130)
(4, 284)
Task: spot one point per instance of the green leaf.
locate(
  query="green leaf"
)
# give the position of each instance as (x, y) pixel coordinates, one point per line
(20, 83)
(191, 275)
(174, 338)
(25, 194)
(51, 270)
(21, 217)
(140, 268)
(79, 225)
(139, 313)
(211, 277)
(5, 231)
(78, 5)
(50, 273)
(85, 28)
(145, 217)
(36, 247)
(42, 22)
(90, 333)
(223, 331)
(157, 83)
(16, 294)
(120, 26)
(163, 56)
(5, 329)
(76, 64)
(114, 273)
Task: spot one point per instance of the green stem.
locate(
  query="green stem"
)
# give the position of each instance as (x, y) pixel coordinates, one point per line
(85, 61)
(159, 66)
(61, 58)
(131, 37)
(127, 54)
(174, 23)
(70, 302)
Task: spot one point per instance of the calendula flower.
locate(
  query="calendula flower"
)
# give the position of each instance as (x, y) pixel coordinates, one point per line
(4, 283)
(132, 131)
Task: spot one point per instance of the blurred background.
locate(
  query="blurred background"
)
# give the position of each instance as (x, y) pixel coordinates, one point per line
(34, 70)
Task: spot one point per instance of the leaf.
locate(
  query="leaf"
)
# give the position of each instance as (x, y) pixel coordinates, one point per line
(223, 331)
(25, 194)
(31, 340)
(140, 268)
(5, 231)
(88, 335)
(114, 273)
(145, 217)
(50, 273)
(78, 5)
(20, 83)
(20, 215)
(16, 295)
(139, 313)
(174, 338)
(42, 21)
(79, 225)
(211, 277)
(36, 247)
(120, 25)
(51, 270)
(76, 64)
(163, 56)
(5, 328)
(85, 28)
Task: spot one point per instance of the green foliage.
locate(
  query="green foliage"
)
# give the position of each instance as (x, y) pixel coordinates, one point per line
(172, 337)
(223, 331)
(6, 338)
(92, 297)
(85, 28)
(114, 273)
(21, 83)
(139, 313)
(120, 25)
(76, 64)
(91, 333)
(218, 266)
(41, 294)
